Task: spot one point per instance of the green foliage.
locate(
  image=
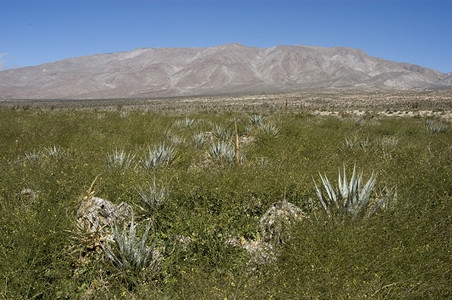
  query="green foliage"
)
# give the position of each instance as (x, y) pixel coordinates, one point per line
(398, 253)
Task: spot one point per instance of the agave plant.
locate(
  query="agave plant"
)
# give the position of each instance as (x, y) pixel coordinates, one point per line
(54, 151)
(256, 119)
(33, 155)
(221, 133)
(153, 196)
(434, 127)
(199, 139)
(222, 150)
(128, 251)
(354, 198)
(173, 138)
(187, 122)
(354, 142)
(268, 128)
(388, 141)
(158, 157)
(123, 114)
(359, 122)
(120, 159)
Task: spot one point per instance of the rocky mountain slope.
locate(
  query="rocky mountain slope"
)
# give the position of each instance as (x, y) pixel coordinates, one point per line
(230, 68)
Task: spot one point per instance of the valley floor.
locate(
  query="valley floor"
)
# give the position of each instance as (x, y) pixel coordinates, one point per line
(233, 197)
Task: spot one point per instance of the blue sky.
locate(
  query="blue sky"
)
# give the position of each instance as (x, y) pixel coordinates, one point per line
(33, 32)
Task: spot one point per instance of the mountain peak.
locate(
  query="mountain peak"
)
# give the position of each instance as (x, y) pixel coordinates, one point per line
(228, 68)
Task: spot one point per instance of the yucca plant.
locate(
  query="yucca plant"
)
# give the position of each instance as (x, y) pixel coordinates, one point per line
(129, 251)
(153, 196)
(120, 159)
(158, 157)
(354, 198)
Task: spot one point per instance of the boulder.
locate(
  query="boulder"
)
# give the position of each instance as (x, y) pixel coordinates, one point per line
(94, 218)
(96, 213)
(274, 224)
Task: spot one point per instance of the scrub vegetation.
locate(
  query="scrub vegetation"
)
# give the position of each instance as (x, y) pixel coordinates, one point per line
(372, 199)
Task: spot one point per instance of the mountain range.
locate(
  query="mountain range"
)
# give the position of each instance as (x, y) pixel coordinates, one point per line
(225, 69)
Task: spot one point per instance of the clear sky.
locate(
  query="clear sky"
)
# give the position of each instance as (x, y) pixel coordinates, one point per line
(33, 32)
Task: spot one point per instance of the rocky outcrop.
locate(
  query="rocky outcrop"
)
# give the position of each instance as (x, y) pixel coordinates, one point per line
(96, 213)
(274, 229)
(275, 224)
(93, 222)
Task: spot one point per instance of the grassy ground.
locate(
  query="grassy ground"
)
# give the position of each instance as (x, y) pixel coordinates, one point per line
(48, 160)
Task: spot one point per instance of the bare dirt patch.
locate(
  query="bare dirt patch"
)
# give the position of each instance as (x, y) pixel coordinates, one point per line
(436, 103)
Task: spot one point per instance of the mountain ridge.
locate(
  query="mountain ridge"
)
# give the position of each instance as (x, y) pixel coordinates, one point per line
(228, 68)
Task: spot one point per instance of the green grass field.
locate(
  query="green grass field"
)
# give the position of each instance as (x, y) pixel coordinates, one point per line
(49, 159)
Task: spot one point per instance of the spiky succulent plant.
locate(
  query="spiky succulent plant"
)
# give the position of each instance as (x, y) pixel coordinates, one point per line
(354, 198)
(158, 157)
(153, 196)
(128, 251)
(120, 159)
